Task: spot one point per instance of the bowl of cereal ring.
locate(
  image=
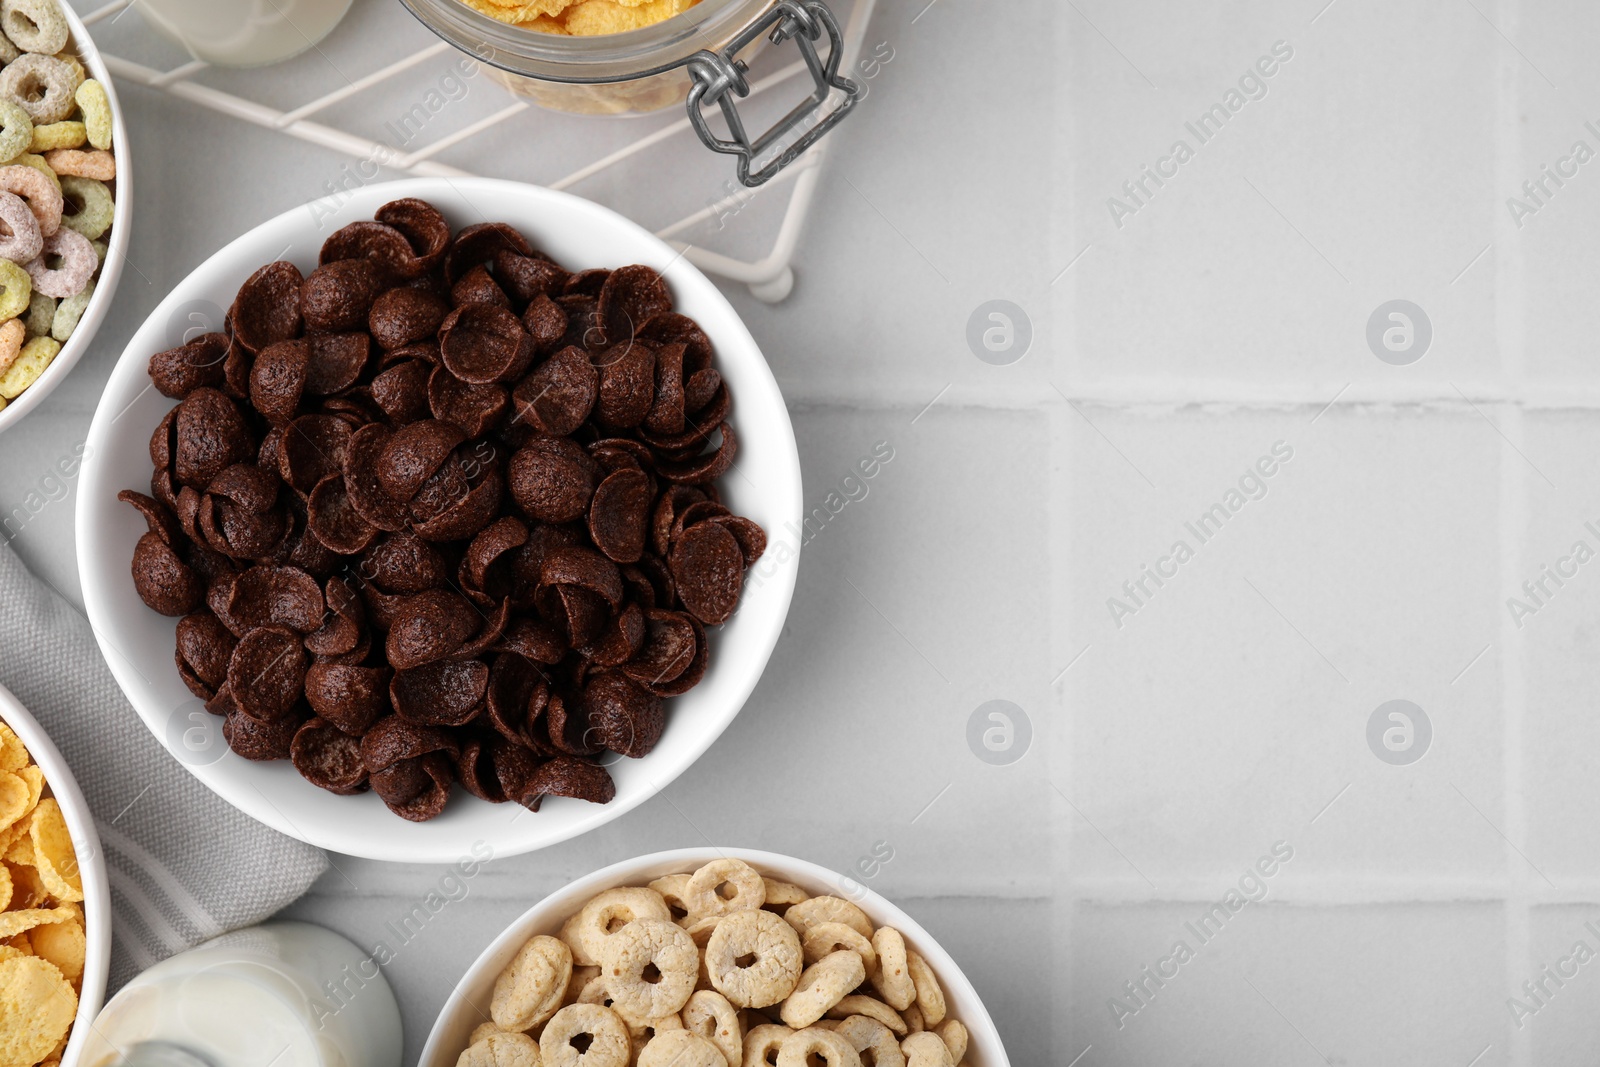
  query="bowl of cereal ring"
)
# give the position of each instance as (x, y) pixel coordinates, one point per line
(706, 957)
(468, 520)
(55, 899)
(64, 198)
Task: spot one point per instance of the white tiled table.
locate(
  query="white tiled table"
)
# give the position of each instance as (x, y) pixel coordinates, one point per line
(1230, 713)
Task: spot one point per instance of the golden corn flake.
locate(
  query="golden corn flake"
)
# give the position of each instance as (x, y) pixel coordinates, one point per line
(37, 1005)
(27, 888)
(581, 17)
(15, 799)
(53, 852)
(21, 922)
(35, 779)
(13, 756)
(63, 944)
(593, 17)
(20, 851)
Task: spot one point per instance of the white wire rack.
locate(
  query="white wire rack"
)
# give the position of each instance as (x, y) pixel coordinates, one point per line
(336, 119)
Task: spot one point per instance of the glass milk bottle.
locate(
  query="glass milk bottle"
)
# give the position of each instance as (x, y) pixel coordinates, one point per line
(288, 994)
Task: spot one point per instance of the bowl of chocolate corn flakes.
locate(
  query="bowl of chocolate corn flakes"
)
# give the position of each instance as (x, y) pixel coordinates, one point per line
(64, 199)
(467, 519)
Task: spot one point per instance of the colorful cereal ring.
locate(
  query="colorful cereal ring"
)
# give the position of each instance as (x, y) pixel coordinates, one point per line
(69, 311)
(34, 25)
(18, 290)
(95, 206)
(64, 134)
(16, 130)
(21, 241)
(41, 191)
(31, 362)
(78, 263)
(96, 108)
(43, 86)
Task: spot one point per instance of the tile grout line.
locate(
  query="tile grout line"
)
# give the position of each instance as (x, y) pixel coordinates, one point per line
(1514, 485)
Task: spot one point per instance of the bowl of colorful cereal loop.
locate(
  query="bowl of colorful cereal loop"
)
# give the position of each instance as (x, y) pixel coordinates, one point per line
(715, 956)
(65, 199)
(470, 519)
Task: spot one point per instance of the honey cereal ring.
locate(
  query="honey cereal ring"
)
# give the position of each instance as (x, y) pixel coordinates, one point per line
(954, 1035)
(22, 241)
(501, 1050)
(642, 944)
(481, 1031)
(773, 948)
(808, 913)
(761, 1044)
(16, 131)
(782, 894)
(913, 1018)
(69, 311)
(892, 979)
(816, 1045)
(594, 991)
(672, 889)
(41, 191)
(710, 1015)
(56, 135)
(930, 997)
(8, 51)
(724, 886)
(871, 1008)
(680, 1048)
(96, 107)
(12, 334)
(34, 25)
(529, 990)
(926, 1049)
(92, 202)
(602, 917)
(642, 1033)
(824, 938)
(29, 364)
(866, 1034)
(78, 263)
(822, 985)
(78, 163)
(608, 1044)
(41, 85)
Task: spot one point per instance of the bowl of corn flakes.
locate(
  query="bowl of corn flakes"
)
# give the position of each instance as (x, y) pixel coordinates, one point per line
(55, 899)
(64, 198)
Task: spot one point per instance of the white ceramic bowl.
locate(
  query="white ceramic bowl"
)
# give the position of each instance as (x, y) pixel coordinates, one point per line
(116, 254)
(138, 643)
(469, 1001)
(91, 865)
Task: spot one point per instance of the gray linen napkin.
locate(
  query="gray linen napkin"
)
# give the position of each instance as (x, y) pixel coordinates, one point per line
(185, 865)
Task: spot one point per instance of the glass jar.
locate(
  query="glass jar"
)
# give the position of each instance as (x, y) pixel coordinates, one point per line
(698, 58)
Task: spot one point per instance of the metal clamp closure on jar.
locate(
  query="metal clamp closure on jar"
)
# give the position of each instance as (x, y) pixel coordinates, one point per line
(719, 78)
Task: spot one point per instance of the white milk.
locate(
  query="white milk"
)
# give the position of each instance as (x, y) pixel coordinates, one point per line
(287, 994)
(245, 33)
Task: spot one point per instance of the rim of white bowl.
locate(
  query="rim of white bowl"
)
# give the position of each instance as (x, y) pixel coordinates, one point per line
(450, 1029)
(101, 519)
(91, 865)
(116, 252)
